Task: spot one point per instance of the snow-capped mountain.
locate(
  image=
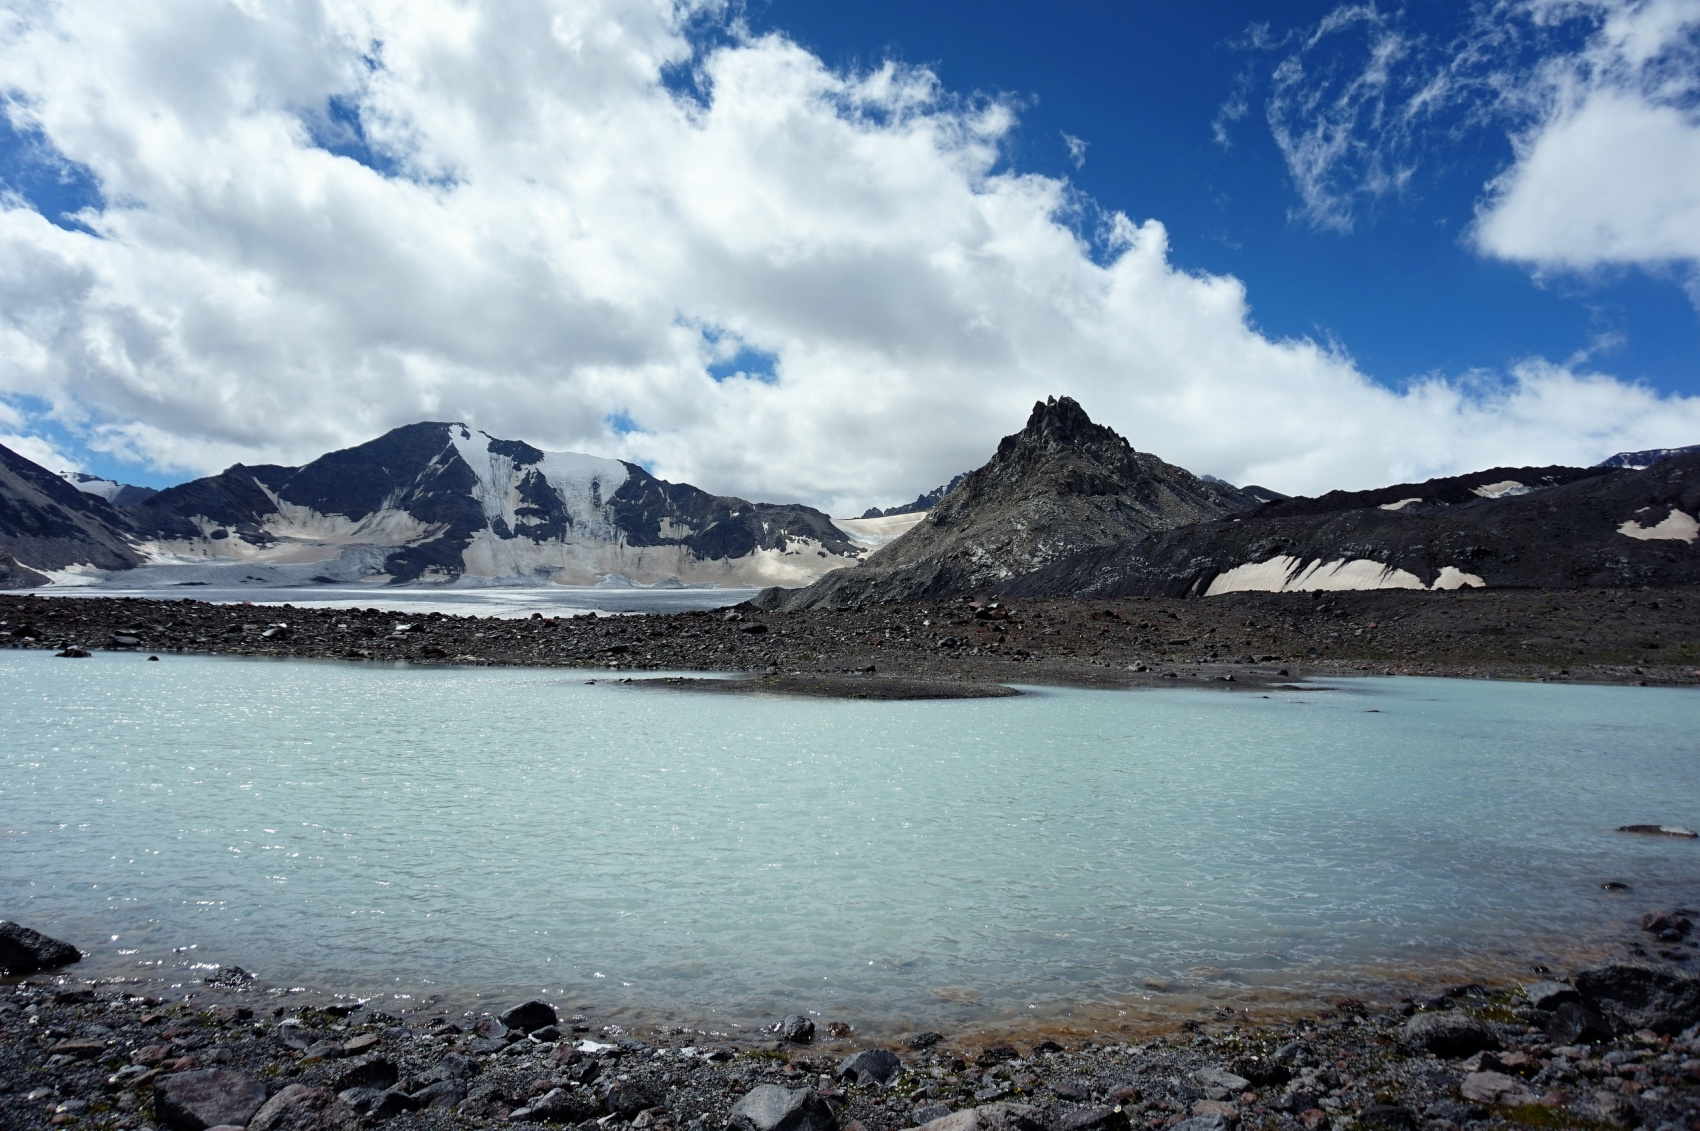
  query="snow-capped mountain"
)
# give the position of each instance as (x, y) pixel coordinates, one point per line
(1640, 461)
(118, 494)
(443, 502)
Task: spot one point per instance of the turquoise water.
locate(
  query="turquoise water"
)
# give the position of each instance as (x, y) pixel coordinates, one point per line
(663, 854)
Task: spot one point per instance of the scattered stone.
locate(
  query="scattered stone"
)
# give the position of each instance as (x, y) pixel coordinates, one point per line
(442, 1094)
(25, 951)
(1211, 1122)
(1092, 1119)
(1447, 1034)
(870, 1066)
(195, 1101)
(838, 1029)
(301, 1108)
(1261, 1072)
(768, 1107)
(993, 1117)
(925, 1040)
(367, 1072)
(797, 1029)
(1641, 995)
(561, 1106)
(1496, 1088)
(528, 1016)
(229, 977)
(1219, 1085)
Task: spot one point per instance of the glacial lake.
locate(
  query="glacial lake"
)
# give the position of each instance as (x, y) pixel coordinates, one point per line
(461, 836)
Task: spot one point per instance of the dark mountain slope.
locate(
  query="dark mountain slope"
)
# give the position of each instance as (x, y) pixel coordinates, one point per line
(1060, 486)
(47, 523)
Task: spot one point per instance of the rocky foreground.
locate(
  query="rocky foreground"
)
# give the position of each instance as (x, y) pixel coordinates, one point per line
(1614, 1046)
(1635, 636)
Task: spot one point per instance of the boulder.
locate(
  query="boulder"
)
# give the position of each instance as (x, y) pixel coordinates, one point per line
(1673, 924)
(1447, 1034)
(367, 1072)
(1550, 995)
(871, 1066)
(1496, 1088)
(442, 1094)
(625, 1098)
(561, 1106)
(195, 1101)
(1218, 1084)
(1632, 996)
(1573, 1023)
(797, 1029)
(768, 1107)
(1261, 1071)
(925, 1115)
(529, 1015)
(378, 1104)
(301, 1108)
(23, 951)
(992, 1117)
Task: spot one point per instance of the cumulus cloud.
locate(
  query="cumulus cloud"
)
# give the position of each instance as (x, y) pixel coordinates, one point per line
(587, 226)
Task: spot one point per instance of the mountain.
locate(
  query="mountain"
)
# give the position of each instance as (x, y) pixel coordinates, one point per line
(1646, 459)
(51, 525)
(1524, 527)
(439, 502)
(118, 494)
(925, 501)
(1059, 487)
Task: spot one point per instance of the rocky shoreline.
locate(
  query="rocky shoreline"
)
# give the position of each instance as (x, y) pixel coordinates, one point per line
(1621, 636)
(1617, 1045)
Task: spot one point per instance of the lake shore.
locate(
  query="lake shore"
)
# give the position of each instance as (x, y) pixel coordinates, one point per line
(1245, 639)
(1524, 1053)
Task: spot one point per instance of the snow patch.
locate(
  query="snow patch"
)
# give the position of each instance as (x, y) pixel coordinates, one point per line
(1287, 574)
(1678, 526)
(92, 484)
(1502, 489)
(872, 532)
(1400, 505)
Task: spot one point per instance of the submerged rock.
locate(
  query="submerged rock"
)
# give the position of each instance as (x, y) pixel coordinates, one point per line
(797, 1029)
(24, 951)
(530, 1015)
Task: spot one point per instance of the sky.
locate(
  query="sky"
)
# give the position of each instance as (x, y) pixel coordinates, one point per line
(829, 253)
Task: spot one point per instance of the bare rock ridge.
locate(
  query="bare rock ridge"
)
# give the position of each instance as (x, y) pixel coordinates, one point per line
(431, 502)
(1061, 486)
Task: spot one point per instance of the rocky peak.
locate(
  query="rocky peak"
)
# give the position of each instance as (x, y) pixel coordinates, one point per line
(1061, 422)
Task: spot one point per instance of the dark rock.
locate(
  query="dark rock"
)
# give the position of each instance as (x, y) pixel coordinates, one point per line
(1046, 1046)
(1660, 830)
(294, 1037)
(625, 1098)
(325, 1050)
(72, 654)
(1663, 922)
(194, 1101)
(229, 977)
(1447, 1034)
(549, 1033)
(1454, 1112)
(925, 1115)
(1389, 1115)
(1550, 995)
(925, 1040)
(367, 1072)
(871, 1066)
(797, 1029)
(454, 1066)
(1092, 1119)
(1573, 1023)
(528, 1016)
(561, 1106)
(997, 1054)
(1261, 1071)
(768, 1107)
(442, 1094)
(1641, 995)
(490, 1029)
(23, 951)
(301, 1108)
(1071, 1092)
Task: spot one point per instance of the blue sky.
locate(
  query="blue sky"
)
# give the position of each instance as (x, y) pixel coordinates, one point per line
(1143, 84)
(831, 253)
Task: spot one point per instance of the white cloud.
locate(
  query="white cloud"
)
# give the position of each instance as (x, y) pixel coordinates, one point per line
(1609, 173)
(38, 450)
(1076, 149)
(566, 241)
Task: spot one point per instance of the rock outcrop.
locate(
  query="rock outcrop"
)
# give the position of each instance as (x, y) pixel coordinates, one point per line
(1060, 487)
